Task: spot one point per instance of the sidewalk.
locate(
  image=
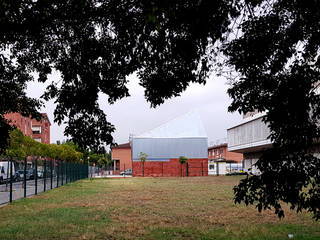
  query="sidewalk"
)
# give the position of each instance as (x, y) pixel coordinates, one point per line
(112, 176)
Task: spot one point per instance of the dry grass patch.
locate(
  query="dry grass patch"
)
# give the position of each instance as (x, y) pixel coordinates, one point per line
(148, 208)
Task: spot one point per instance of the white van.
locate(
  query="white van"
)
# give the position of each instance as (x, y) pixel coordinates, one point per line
(5, 171)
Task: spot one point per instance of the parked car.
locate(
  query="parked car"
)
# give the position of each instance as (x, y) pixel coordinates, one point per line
(126, 172)
(31, 172)
(18, 175)
(40, 174)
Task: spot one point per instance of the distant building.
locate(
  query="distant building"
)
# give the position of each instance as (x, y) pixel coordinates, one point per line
(250, 137)
(38, 130)
(221, 151)
(221, 161)
(121, 157)
(183, 136)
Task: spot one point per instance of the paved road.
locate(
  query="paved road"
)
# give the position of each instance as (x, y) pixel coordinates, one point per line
(18, 188)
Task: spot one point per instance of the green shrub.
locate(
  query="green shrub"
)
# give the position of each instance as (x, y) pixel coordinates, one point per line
(183, 159)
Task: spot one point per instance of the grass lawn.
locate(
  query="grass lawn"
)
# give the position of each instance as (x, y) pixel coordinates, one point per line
(148, 208)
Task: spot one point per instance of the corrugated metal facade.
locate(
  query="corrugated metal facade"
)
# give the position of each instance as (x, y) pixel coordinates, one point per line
(250, 134)
(164, 149)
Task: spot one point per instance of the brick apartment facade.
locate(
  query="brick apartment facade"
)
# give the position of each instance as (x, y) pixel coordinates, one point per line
(38, 130)
(221, 152)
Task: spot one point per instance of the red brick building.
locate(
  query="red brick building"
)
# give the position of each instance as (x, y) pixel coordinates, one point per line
(221, 152)
(38, 130)
(121, 157)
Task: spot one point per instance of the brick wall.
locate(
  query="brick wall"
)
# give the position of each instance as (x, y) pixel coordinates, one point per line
(238, 157)
(173, 168)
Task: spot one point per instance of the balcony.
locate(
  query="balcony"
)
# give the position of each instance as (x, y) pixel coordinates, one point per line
(249, 136)
(36, 129)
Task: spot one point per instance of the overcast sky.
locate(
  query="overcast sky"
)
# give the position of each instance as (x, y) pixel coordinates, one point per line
(133, 115)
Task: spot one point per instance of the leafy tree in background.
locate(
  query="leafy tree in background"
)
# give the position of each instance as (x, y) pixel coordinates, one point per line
(16, 141)
(95, 45)
(182, 160)
(21, 146)
(143, 158)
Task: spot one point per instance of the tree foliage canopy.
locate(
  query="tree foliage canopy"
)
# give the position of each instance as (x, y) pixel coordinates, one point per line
(277, 58)
(21, 146)
(95, 45)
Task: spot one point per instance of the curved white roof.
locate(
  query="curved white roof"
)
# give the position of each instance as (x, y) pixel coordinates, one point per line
(187, 126)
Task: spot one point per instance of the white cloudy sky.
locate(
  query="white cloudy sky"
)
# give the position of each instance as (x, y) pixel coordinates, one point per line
(133, 115)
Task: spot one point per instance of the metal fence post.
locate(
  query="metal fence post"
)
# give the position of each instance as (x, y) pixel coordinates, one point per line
(162, 169)
(36, 177)
(62, 175)
(44, 174)
(67, 171)
(25, 178)
(187, 169)
(72, 173)
(202, 168)
(10, 159)
(51, 177)
(57, 166)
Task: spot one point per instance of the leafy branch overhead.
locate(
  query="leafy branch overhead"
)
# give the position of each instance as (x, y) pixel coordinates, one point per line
(95, 45)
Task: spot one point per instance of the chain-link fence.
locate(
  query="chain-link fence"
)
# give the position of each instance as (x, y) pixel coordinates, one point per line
(20, 178)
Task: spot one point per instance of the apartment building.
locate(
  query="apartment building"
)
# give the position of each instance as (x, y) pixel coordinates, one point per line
(38, 130)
